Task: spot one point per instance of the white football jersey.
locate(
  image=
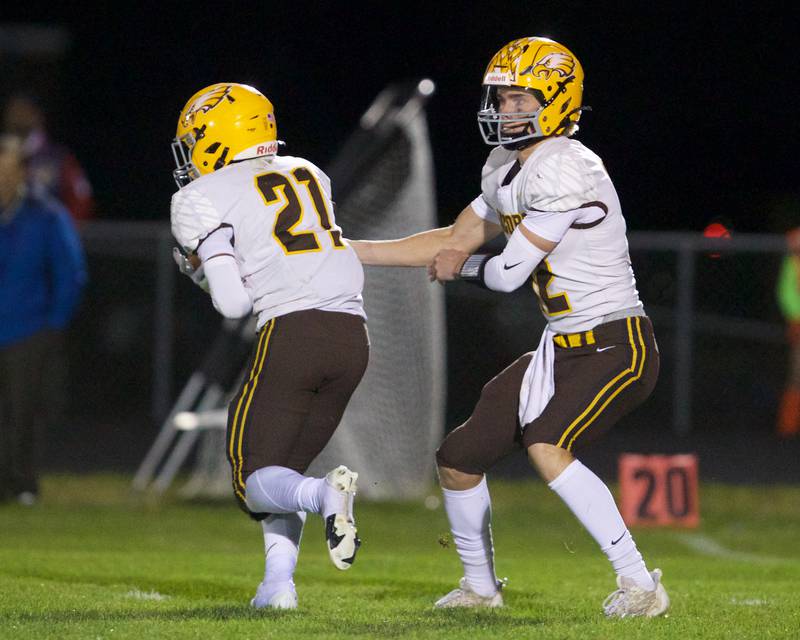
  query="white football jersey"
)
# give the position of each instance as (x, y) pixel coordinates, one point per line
(287, 245)
(588, 275)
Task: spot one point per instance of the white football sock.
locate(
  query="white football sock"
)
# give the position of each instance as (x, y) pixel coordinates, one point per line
(470, 515)
(589, 499)
(281, 490)
(282, 533)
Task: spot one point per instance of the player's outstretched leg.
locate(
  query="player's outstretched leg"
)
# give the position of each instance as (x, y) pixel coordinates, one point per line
(278, 490)
(470, 514)
(640, 592)
(282, 533)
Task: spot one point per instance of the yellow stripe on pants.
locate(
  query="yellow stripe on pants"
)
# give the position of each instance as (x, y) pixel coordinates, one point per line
(236, 463)
(606, 388)
(622, 386)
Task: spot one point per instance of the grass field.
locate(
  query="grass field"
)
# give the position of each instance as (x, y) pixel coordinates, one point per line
(92, 562)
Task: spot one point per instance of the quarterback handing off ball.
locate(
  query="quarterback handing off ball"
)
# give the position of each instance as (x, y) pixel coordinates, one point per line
(553, 200)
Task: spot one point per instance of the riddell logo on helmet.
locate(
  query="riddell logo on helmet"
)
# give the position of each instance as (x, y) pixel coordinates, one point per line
(267, 149)
(498, 78)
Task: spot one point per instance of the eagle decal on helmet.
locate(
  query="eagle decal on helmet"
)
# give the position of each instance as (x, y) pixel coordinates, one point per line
(207, 102)
(555, 61)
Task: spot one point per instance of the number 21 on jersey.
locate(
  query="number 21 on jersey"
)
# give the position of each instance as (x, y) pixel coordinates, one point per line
(280, 187)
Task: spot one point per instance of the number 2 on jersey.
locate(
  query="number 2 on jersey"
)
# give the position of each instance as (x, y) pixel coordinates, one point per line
(277, 187)
(554, 303)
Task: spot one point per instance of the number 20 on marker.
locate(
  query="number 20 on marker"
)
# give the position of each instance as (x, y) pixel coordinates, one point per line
(659, 490)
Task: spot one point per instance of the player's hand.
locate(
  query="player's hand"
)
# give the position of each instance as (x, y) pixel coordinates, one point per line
(446, 265)
(191, 267)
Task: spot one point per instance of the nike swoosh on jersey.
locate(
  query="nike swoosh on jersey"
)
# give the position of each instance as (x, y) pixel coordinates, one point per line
(506, 267)
(599, 349)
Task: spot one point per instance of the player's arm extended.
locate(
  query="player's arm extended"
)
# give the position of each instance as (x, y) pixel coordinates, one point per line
(467, 233)
(509, 270)
(505, 272)
(533, 239)
(228, 294)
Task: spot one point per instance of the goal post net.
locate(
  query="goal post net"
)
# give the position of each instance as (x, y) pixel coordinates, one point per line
(395, 419)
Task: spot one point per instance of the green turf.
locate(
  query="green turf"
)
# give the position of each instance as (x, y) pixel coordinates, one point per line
(92, 562)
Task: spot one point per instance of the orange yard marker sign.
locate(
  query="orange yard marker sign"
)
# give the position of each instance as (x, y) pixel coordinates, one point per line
(659, 490)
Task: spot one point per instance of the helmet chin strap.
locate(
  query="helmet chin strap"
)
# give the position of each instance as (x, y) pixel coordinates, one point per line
(519, 145)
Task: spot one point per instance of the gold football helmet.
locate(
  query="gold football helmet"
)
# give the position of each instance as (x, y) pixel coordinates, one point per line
(547, 69)
(221, 124)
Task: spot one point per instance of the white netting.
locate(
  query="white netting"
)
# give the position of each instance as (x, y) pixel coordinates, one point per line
(396, 417)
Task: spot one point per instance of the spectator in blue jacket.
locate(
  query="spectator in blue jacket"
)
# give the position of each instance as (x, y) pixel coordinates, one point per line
(42, 272)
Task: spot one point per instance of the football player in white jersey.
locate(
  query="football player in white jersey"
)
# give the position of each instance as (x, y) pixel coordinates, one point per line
(258, 232)
(597, 358)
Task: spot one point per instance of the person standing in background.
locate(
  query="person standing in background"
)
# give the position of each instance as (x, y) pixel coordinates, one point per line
(788, 293)
(52, 172)
(42, 273)
(51, 166)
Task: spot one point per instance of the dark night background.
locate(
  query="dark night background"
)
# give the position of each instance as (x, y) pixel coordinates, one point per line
(694, 104)
(694, 113)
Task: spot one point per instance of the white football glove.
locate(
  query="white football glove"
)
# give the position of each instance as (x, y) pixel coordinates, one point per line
(197, 276)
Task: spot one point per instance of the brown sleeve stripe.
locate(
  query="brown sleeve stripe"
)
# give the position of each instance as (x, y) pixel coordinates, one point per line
(595, 203)
(589, 225)
(220, 255)
(584, 225)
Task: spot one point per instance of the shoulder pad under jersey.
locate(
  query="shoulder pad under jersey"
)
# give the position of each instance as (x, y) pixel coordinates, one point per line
(193, 216)
(559, 179)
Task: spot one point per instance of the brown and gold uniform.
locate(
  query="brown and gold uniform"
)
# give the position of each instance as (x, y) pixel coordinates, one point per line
(605, 360)
(305, 283)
